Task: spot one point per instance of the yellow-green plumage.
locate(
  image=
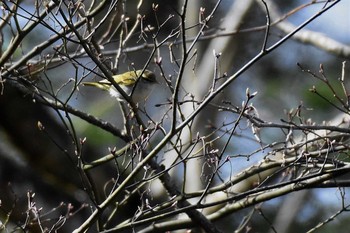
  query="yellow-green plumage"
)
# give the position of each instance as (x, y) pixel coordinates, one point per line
(127, 82)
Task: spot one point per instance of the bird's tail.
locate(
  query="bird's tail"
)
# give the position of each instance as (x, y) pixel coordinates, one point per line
(103, 86)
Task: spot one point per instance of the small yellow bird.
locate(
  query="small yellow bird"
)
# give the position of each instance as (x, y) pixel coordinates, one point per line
(144, 85)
